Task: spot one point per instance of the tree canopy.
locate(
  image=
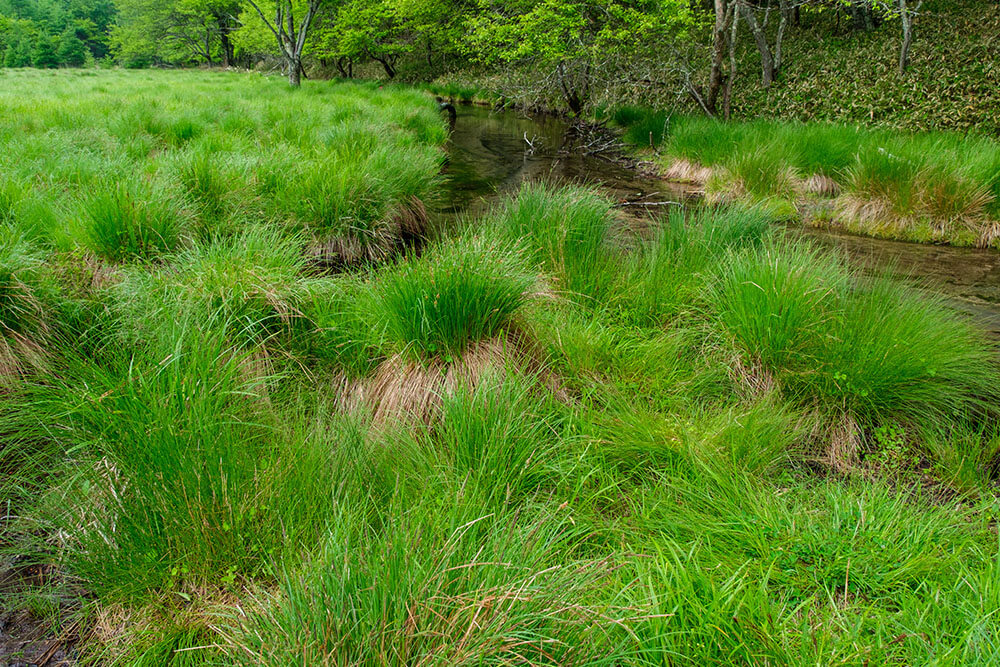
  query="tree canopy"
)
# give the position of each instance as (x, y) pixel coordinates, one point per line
(547, 49)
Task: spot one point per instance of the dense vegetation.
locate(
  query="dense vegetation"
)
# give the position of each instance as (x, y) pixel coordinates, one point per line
(904, 63)
(253, 412)
(927, 187)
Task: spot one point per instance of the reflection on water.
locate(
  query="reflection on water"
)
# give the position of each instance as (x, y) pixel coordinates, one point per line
(492, 153)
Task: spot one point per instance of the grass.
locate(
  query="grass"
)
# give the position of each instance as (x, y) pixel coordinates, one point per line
(927, 187)
(453, 296)
(553, 435)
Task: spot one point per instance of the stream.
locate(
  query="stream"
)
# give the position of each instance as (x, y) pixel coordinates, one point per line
(493, 152)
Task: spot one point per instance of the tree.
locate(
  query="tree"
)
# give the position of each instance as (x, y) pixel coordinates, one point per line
(72, 51)
(44, 55)
(291, 37)
(724, 14)
(570, 42)
(770, 60)
(18, 52)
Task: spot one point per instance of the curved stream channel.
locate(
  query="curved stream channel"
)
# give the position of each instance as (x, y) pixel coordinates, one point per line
(492, 153)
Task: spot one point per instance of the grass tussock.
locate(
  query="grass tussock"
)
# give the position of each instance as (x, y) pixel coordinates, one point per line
(25, 308)
(544, 438)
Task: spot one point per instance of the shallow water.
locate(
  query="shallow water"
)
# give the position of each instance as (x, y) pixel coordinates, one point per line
(492, 153)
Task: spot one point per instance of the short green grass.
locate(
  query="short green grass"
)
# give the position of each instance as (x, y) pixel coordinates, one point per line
(722, 447)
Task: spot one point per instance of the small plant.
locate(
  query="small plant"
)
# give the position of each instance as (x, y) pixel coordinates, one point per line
(891, 452)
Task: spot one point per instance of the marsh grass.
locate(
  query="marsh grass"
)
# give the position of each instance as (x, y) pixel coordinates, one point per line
(248, 287)
(132, 220)
(918, 187)
(28, 308)
(566, 232)
(686, 440)
(871, 347)
(454, 295)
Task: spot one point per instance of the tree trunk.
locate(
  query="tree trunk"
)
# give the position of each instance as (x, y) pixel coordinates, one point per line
(291, 41)
(766, 59)
(862, 17)
(727, 100)
(225, 42)
(906, 16)
(786, 17)
(390, 71)
(718, 55)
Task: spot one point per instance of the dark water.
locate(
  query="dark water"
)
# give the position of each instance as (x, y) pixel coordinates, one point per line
(492, 153)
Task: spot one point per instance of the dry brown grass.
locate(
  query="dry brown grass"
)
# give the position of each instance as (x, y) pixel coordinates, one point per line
(22, 353)
(819, 184)
(19, 357)
(684, 171)
(836, 440)
(752, 379)
(404, 389)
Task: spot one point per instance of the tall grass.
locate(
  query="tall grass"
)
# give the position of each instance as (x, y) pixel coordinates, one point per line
(205, 471)
(874, 348)
(566, 231)
(248, 287)
(132, 220)
(453, 295)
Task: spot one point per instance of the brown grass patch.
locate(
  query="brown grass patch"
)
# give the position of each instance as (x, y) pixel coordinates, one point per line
(19, 357)
(819, 184)
(837, 441)
(684, 171)
(406, 389)
(752, 379)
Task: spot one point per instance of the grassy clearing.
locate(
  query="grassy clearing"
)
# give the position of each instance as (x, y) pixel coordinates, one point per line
(932, 187)
(554, 436)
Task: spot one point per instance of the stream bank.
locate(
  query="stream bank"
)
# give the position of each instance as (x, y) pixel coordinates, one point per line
(491, 153)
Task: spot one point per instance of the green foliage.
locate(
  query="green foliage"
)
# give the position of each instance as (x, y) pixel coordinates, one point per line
(44, 55)
(72, 51)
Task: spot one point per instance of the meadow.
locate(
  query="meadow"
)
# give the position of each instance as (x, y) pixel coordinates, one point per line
(930, 187)
(255, 408)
